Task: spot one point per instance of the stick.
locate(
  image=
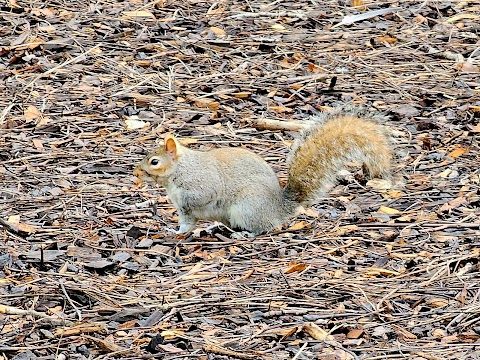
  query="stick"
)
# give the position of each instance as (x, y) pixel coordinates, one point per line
(270, 124)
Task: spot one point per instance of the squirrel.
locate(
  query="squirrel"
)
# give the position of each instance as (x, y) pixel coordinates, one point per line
(238, 188)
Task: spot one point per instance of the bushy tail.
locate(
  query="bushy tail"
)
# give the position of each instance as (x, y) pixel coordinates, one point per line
(327, 146)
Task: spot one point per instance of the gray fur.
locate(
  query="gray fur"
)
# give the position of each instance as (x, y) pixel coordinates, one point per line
(234, 191)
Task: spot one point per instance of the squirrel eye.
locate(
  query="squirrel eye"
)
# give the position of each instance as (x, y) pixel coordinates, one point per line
(154, 162)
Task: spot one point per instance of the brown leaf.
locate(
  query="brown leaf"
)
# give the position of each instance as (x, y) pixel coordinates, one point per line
(403, 332)
(107, 344)
(359, 4)
(388, 210)
(453, 204)
(299, 226)
(437, 302)
(316, 332)
(14, 220)
(280, 109)
(355, 333)
(387, 39)
(458, 152)
(295, 267)
(476, 128)
(342, 230)
(461, 17)
(467, 67)
(217, 31)
(242, 95)
(31, 113)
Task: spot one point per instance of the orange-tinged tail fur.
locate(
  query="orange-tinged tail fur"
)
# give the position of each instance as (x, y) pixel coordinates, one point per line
(327, 147)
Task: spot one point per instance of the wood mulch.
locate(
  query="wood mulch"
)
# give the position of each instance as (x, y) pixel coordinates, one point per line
(88, 265)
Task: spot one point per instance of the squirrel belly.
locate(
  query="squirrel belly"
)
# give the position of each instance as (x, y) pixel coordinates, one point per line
(238, 188)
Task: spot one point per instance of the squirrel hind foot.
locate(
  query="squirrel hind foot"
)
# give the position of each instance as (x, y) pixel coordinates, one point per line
(377, 165)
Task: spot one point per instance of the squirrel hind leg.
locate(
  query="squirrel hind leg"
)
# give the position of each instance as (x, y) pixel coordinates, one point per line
(254, 216)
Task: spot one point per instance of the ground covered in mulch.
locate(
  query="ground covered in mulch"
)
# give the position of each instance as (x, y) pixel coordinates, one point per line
(88, 266)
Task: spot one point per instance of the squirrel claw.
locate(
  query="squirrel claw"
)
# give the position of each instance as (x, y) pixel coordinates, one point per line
(173, 231)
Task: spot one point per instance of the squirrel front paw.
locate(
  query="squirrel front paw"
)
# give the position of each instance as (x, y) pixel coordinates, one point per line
(184, 228)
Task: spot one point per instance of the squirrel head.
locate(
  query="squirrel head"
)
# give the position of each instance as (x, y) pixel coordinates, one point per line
(157, 166)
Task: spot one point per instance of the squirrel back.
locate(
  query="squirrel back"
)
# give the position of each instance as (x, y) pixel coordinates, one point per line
(238, 188)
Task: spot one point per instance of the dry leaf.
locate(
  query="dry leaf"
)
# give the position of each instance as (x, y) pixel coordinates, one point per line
(439, 333)
(449, 339)
(210, 332)
(458, 152)
(20, 39)
(15, 221)
(217, 31)
(405, 333)
(354, 334)
(310, 213)
(388, 210)
(280, 109)
(359, 4)
(242, 95)
(316, 332)
(387, 39)
(139, 13)
(467, 67)
(107, 344)
(445, 173)
(284, 332)
(214, 11)
(31, 113)
(134, 124)
(44, 120)
(395, 194)
(421, 20)
(171, 334)
(214, 105)
(295, 267)
(215, 254)
(459, 17)
(453, 204)
(203, 102)
(48, 29)
(342, 230)
(299, 226)
(278, 27)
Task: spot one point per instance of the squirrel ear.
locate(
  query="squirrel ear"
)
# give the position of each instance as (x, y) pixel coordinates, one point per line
(171, 146)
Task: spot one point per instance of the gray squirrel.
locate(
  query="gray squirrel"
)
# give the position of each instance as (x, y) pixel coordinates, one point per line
(238, 188)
